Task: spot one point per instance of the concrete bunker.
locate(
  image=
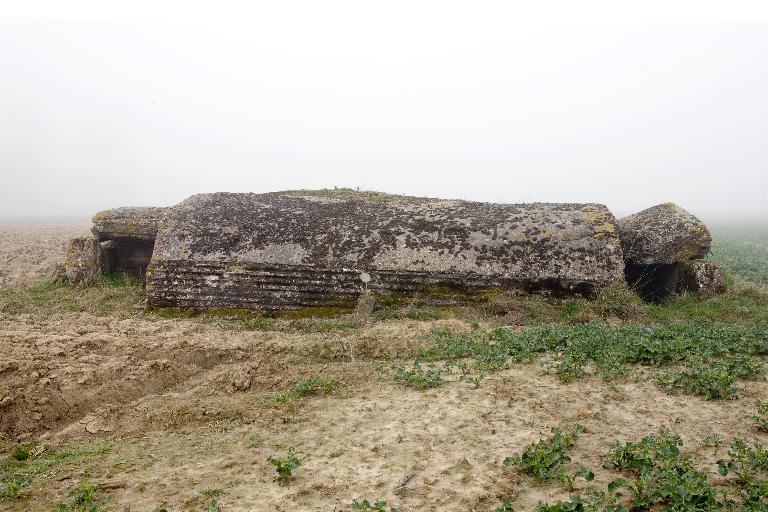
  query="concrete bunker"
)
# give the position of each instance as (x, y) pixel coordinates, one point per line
(306, 250)
(663, 249)
(126, 239)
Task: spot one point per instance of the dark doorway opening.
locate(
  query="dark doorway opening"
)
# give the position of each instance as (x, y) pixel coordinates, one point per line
(653, 283)
(129, 255)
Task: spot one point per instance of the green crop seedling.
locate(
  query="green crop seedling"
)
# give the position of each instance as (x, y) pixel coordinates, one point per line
(547, 458)
(761, 418)
(285, 466)
(377, 506)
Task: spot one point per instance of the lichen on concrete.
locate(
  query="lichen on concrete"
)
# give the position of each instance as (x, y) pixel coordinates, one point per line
(127, 222)
(662, 235)
(81, 265)
(307, 249)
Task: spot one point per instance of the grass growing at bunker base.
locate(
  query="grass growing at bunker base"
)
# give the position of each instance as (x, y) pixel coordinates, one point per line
(114, 293)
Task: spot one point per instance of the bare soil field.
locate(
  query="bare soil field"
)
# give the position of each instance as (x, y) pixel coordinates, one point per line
(182, 413)
(30, 248)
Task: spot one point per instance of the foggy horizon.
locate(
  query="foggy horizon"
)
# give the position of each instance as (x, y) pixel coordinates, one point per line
(500, 103)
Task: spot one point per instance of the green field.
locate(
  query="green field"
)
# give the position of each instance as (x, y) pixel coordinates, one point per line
(742, 250)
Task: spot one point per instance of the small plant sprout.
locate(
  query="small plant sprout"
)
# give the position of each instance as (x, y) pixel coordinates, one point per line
(254, 441)
(314, 385)
(713, 441)
(285, 466)
(506, 506)
(83, 498)
(547, 458)
(377, 506)
(419, 377)
(761, 418)
(211, 492)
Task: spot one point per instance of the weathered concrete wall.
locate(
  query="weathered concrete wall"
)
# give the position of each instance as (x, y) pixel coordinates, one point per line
(305, 249)
(126, 238)
(663, 246)
(127, 222)
(704, 278)
(81, 264)
(662, 235)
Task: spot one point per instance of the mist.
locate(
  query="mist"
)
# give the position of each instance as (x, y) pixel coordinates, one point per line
(487, 102)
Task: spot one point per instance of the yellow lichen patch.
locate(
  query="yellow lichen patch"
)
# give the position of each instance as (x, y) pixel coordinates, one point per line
(133, 226)
(598, 216)
(606, 227)
(700, 229)
(99, 215)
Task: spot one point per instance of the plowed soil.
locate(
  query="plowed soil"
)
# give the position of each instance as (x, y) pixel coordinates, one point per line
(184, 406)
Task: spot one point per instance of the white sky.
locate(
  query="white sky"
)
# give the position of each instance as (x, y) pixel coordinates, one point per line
(629, 104)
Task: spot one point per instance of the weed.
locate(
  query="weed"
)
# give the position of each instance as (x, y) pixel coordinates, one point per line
(475, 380)
(419, 377)
(314, 385)
(285, 466)
(661, 474)
(659, 477)
(595, 501)
(761, 418)
(323, 326)
(744, 461)
(211, 506)
(114, 293)
(569, 479)
(254, 441)
(211, 492)
(258, 324)
(26, 462)
(377, 506)
(642, 456)
(83, 499)
(716, 355)
(20, 452)
(506, 506)
(423, 314)
(12, 486)
(713, 380)
(713, 440)
(547, 458)
(322, 351)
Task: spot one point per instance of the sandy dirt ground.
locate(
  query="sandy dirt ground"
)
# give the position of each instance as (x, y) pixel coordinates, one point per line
(184, 407)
